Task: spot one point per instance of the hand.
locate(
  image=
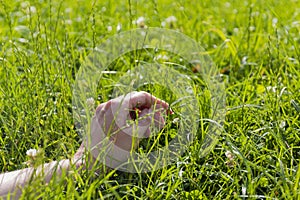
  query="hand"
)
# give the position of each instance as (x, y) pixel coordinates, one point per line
(119, 124)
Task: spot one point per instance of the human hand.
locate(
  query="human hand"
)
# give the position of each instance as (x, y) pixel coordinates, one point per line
(119, 124)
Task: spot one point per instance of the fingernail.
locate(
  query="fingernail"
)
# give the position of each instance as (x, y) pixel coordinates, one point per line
(170, 111)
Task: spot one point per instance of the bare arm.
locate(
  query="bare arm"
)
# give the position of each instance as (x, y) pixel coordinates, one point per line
(13, 182)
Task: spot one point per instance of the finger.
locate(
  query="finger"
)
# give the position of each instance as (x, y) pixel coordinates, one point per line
(147, 133)
(144, 122)
(145, 100)
(144, 118)
(159, 120)
(159, 116)
(96, 134)
(106, 117)
(99, 110)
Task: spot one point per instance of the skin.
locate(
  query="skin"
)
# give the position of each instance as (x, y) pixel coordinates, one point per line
(114, 123)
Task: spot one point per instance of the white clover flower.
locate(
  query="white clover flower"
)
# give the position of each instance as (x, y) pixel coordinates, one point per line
(23, 40)
(119, 27)
(32, 152)
(244, 190)
(282, 124)
(252, 28)
(31, 9)
(180, 173)
(274, 21)
(140, 22)
(229, 155)
(78, 19)
(271, 89)
(25, 4)
(68, 21)
(176, 120)
(171, 19)
(161, 57)
(227, 4)
(90, 102)
(236, 30)
(109, 28)
(68, 10)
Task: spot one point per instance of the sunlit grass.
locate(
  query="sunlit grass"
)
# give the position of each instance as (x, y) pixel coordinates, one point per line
(255, 44)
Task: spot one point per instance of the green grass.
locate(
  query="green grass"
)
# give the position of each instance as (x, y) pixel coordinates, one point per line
(256, 41)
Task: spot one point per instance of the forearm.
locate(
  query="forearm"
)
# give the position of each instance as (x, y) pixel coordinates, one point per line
(13, 182)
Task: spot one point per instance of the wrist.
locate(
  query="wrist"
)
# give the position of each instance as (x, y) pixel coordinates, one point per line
(82, 160)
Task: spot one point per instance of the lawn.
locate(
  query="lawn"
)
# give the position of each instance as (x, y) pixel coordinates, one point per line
(254, 45)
